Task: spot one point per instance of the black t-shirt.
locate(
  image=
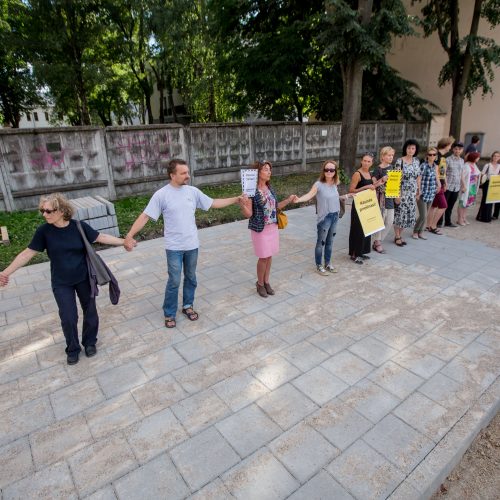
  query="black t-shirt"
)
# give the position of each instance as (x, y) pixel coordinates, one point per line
(66, 251)
(378, 173)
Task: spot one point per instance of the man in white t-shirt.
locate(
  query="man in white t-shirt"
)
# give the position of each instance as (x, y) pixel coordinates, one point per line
(177, 202)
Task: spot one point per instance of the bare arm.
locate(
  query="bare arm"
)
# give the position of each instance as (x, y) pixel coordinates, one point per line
(139, 223)
(306, 197)
(246, 206)
(286, 201)
(224, 202)
(107, 239)
(354, 181)
(21, 260)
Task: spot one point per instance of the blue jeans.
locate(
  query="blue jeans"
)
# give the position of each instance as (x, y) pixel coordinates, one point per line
(326, 231)
(175, 260)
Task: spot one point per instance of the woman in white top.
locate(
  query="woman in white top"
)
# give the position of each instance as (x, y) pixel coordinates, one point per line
(328, 208)
(491, 168)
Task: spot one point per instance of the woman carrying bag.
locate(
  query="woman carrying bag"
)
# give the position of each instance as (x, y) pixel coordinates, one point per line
(60, 237)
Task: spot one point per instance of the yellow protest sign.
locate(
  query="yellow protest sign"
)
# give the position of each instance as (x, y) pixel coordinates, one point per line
(393, 184)
(368, 212)
(493, 195)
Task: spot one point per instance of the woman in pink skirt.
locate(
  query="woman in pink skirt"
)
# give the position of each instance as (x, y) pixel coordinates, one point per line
(262, 212)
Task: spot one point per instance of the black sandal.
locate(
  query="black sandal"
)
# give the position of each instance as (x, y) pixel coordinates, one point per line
(356, 260)
(190, 314)
(435, 231)
(400, 244)
(170, 322)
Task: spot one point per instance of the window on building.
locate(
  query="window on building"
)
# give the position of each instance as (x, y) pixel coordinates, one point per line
(28, 116)
(46, 116)
(35, 115)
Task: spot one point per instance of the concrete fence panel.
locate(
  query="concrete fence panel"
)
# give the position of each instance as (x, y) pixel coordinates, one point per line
(122, 161)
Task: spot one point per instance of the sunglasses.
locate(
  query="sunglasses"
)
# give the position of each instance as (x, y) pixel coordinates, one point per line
(329, 170)
(47, 211)
(431, 154)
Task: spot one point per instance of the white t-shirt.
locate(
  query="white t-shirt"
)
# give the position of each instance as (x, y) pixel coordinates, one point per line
(178, 205)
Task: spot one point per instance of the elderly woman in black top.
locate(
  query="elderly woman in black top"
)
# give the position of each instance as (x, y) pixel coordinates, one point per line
(60, 237)
(262, 210)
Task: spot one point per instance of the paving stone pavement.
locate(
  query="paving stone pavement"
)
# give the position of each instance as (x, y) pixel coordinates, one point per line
(367, 384)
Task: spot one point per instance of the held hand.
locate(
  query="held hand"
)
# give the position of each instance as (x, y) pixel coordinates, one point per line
(372, 187)
(4, 279)
(293, 198)
(129, 243)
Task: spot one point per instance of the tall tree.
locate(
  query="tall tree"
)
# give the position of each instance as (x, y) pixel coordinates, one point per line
(471, 59)
(356, 34)
(62, 32)
(18, 92)
(132, 21)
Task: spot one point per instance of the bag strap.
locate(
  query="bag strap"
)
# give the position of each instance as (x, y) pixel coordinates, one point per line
(88, 246)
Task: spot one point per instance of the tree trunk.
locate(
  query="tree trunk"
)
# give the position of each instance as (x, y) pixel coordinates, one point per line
(352, 82)
(170, 97)
(352, 78)
(461, 79)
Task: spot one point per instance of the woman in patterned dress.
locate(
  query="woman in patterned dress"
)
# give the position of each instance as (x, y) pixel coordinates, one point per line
(469, 185)
(405, 213)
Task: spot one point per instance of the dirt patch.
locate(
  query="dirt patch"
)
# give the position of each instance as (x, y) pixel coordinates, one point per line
(477, 476)
(487, 232)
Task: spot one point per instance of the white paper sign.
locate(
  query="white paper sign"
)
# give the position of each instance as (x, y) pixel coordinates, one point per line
(249, 181)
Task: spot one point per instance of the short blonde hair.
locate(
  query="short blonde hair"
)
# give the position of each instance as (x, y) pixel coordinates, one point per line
(386, 150)
(58, 202)
(445, 142)
(432, 149)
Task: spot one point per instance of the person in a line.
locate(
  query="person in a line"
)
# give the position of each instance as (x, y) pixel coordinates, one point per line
(359, 244)
(405, 213)
(429, 186)
(473, 147)
(328, 208)
(386, 204)
(69, 274)
(469, 185)
(486, 213)
(177, 202)
(262, 212)
(439, 205)
(454, 167)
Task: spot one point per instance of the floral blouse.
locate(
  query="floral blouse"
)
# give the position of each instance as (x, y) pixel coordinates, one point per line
(269, 207)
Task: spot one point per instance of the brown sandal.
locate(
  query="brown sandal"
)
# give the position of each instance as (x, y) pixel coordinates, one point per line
(190, 314)
(377, 246)
(170, 322)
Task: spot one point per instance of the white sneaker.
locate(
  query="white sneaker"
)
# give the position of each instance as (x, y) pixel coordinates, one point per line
(321, 270)
(331, 269)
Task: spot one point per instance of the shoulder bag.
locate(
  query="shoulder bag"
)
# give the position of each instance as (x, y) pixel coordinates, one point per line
(282, 219)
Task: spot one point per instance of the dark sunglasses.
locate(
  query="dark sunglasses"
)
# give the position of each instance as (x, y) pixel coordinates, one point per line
(329, 170)
(47, 211)
(431, 154)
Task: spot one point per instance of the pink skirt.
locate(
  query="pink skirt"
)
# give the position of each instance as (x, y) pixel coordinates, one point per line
(266, 243)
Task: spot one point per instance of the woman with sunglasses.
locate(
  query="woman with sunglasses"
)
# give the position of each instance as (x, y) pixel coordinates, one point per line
(262, 213)
(60, 237)
(328, 208)
(429, 186)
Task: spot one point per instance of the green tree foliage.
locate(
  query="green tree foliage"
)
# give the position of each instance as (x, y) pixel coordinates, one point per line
(356, 34)
(62, 35)
(188, 55)
(471, 58)
(268, 48)
(131, 20)
(17, 85)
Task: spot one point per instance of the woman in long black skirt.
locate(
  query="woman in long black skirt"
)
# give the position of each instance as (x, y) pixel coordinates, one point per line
(359, 244)
(486, 209)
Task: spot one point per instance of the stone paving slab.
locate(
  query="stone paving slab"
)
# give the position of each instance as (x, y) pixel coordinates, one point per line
(369, 383)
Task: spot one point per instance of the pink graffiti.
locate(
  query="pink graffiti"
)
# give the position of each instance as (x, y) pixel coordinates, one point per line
(44, 160)
(142, 151)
